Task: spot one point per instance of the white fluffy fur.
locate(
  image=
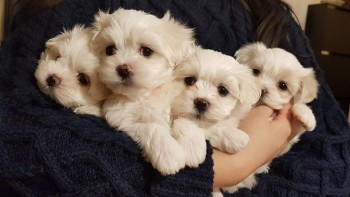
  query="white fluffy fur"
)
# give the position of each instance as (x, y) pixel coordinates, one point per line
(140, 104)
(277, 65)
(66, 56)
(218, 122)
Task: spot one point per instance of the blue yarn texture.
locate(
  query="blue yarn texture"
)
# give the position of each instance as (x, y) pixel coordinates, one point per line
(47, 150)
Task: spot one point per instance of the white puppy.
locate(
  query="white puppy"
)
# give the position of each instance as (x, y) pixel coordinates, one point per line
(282, 79)
(217, 93)
(138, 52)
(67, 72)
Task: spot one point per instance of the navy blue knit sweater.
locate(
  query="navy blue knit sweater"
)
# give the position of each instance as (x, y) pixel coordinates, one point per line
(47, 150)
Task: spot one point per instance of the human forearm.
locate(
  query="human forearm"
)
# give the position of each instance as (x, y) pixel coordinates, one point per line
(230, 169)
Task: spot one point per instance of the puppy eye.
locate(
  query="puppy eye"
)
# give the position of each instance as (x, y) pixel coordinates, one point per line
(57, 57)
(189, 81)
(282, 85)
(145, 51)
(83, 79)
(222, 91)
(111, 50)
(256, 72)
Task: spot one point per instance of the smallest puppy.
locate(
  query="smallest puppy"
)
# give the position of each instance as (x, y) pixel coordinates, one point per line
(67, 72)
(282, 80)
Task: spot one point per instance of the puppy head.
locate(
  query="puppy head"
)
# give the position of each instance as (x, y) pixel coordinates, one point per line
(279, 74)
(67, 70)
(214, 86)
(138, 51)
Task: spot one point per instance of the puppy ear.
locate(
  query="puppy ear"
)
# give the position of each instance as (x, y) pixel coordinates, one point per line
(247, 52)
(98, 90)
(308, 87)
(50, 43)
(61, 37)
(102, 19)
(248, 91)
(167, 16)
(53, 41)
(78, 29)
(179, 39)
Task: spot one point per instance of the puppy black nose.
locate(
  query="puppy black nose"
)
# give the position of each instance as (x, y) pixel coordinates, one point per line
(123, 71)
(201, 104)
(53, 80)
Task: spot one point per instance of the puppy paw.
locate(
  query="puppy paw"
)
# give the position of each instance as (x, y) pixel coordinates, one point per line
(89, 109)
(217, 194)
(237, 141)
(192, 140)
(263, 169)
(168, 156)
(304, 114)
(228, 140)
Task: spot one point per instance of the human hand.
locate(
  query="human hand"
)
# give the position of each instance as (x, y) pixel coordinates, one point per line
(269, 131)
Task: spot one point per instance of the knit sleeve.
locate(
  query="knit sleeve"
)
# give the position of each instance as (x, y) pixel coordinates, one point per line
(47, 150)
(51, 151)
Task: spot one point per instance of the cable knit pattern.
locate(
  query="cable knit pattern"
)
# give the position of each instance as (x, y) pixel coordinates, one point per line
(47, 150)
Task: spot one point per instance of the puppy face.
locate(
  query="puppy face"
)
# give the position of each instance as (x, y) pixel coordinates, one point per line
(67, 70)
(279, 74)
(214, 85)
(138, 51)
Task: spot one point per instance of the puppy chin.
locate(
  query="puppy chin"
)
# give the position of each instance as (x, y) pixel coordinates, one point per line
(130, 91)
(69, 97)
(272, 102)
(204, 119)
